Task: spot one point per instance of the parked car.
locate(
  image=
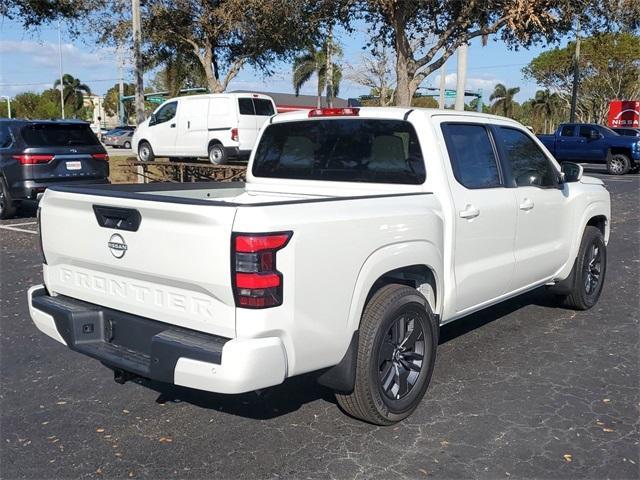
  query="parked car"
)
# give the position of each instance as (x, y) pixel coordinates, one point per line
(216, 126)
(358, 234)
(627, 132)
(580, 142)
(118, 139)
(37, 154)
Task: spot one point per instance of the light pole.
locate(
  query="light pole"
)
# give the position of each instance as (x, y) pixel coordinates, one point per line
(60, 67)
(8, 105)
(137, 54)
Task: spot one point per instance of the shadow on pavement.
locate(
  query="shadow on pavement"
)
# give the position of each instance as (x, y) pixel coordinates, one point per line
(298, 391)
(259, 405)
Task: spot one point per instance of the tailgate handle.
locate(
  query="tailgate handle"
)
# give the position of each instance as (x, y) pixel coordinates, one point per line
(118, 218)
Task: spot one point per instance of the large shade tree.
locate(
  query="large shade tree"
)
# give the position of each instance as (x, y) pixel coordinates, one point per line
(425, 33)
(609, 69)
(226, 35)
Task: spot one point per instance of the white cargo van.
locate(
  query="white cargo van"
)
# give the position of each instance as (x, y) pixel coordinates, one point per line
(213, 126)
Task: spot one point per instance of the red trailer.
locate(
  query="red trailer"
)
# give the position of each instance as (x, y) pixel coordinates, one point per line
(624, 113)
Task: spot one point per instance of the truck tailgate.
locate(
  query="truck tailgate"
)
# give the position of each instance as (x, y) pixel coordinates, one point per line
(174, 268)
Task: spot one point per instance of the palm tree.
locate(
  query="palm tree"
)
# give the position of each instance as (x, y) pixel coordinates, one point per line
(503, 97)
(315, 62)
(548, 105)
(73, 91)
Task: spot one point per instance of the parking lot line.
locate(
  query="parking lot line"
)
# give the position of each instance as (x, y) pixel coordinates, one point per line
(20, 224)
(6, 227)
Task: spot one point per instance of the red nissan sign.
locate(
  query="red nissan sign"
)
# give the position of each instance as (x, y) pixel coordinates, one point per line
(624, 113)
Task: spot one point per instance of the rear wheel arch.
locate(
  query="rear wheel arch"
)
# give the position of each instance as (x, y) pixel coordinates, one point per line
(598, 221)
(420, 277)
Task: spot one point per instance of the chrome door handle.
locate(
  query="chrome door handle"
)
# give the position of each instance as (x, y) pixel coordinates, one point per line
(173, 125)
(188, 123)
(469, 212)
(526, 204)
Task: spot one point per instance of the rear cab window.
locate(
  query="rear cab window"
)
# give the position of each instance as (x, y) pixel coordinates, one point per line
(341, 150)
(58, 135)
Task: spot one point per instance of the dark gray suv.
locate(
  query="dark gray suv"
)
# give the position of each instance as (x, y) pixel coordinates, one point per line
(35, 154)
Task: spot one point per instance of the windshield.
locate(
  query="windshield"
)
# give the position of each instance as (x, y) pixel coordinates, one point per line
(58, 135)
(341, 150)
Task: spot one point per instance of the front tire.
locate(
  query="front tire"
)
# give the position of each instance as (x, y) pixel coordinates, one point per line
(589, 271)
(217, 154)
(396, 354)
(618, 164)
(145, 152)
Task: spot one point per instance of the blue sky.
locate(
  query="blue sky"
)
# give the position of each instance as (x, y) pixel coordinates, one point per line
(29, 62)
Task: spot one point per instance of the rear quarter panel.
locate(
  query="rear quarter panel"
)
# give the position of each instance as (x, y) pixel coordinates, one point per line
(337, 251)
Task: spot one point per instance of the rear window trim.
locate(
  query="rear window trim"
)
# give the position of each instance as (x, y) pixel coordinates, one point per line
(343, 182)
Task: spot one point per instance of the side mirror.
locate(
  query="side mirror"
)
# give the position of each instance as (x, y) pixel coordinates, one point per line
(152, 119)
(572, 172)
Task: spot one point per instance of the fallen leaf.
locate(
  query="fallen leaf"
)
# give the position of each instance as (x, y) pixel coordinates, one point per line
(125, 411)
(608, 430)
(423, 471)
(568, 457)
(606, 400)
(99, 430)
(61, 403)
(599, 423)
(99, 471)
(118, 454)
(131, 474)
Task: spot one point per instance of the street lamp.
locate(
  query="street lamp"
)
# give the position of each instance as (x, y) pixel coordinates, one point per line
(8, 104)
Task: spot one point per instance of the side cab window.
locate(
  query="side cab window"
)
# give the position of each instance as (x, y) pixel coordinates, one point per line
(473, 156)
(166, 113)
(567, 131)
(528, 165)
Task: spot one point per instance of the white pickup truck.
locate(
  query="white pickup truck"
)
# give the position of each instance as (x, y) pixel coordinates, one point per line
(358, 233)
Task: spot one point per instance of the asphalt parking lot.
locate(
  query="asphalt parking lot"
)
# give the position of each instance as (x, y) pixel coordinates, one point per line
(524, 389)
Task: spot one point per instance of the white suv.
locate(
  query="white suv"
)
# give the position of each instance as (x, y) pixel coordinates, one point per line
(215, 126)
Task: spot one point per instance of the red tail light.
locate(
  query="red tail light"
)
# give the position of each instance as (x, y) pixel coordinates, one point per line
(334, 112)
(32, 159)
(234, 134)
(100, 156)
(256, 281)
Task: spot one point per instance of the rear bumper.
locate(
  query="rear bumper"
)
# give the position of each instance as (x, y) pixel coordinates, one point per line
(157, 350)
(235, 152)
(29, 189)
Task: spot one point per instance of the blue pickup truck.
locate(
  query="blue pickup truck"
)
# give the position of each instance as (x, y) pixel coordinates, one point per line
(589, 143)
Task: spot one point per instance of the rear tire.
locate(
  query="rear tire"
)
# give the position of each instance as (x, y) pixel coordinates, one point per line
(618, 164)
(7, 207)
(217, 154)
(145, 152)
(589, 271)
(396, 354)
(127, 145)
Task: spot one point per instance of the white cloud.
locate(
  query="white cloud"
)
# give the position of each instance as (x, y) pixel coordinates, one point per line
(46, 55)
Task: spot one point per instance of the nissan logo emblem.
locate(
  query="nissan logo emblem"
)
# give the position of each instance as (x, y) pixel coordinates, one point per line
(117, 245)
